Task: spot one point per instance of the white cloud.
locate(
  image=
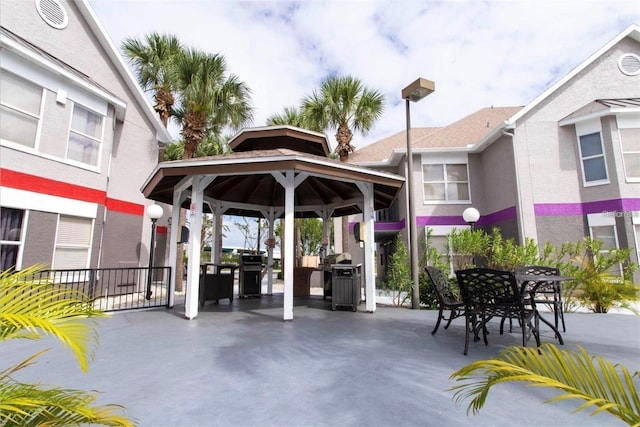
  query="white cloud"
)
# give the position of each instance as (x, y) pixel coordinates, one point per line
(500, 53)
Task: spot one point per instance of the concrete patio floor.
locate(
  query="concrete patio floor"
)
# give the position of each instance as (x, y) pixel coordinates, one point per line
(239, 364)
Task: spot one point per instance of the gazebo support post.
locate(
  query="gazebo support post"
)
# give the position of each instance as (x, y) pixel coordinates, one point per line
(289, 206)
(173, 250)
(193, 266)
(368, 216)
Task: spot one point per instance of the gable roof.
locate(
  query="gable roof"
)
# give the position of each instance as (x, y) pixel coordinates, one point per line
(632, 31)
(162, 134)
(464, 134)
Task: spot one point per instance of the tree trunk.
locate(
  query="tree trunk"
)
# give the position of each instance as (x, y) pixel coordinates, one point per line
(345, 234)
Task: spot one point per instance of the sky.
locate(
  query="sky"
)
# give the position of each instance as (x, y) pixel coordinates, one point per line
(478, 53)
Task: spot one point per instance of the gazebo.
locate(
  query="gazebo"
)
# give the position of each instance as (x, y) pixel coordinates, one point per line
(273, 172)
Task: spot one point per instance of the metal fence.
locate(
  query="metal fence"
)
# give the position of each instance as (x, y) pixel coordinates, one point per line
(114, 289)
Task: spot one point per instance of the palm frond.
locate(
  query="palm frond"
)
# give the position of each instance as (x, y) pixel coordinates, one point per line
(578, 375)
(35, 308)
(28, 405)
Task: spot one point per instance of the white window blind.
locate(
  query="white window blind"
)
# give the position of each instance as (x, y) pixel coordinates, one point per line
(73, 242)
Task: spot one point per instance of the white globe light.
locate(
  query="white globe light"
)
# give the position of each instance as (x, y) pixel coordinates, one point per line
(154, 211)
(471, 215)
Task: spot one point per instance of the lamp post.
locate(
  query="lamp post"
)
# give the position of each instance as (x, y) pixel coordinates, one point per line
(154, 212)
(471, 216)
(414, 92)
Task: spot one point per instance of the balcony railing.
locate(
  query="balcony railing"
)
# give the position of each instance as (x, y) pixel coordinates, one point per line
(114, 289)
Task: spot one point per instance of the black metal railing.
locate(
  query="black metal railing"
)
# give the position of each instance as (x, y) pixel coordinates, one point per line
(114, 289)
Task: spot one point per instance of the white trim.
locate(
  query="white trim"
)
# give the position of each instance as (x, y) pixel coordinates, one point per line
(162, 134)
(32, 57)
(618, 112)
(588, 128)
(632, 31)
(603, 219)
(21, 199)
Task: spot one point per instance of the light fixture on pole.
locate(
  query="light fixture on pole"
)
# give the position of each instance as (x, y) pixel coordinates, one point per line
(414, 92)
(154, 212)
(471, 217)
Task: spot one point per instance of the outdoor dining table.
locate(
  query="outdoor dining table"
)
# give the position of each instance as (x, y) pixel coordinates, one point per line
(525, 279)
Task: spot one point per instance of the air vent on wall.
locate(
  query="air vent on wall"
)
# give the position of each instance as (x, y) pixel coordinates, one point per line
(629, 64)
(52, 12)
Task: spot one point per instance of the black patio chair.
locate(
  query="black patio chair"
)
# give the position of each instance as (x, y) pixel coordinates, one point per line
(447, 298)
(489, 293)
(548, 293)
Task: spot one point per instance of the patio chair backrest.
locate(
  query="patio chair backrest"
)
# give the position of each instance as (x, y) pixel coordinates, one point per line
(442, 286)
(481, 287)
(537, 270)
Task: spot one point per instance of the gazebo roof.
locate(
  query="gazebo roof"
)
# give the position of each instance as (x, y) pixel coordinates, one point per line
(245, 180)
(269, 137)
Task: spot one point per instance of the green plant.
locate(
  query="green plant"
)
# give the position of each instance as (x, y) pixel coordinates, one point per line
(33, 309)
(597, 288)
(507, 255)
(399, 273)
(601, 384)
(603, 278)
(466, 246)
(429, 257)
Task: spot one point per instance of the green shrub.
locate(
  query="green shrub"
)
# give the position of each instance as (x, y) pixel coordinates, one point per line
(398, 279)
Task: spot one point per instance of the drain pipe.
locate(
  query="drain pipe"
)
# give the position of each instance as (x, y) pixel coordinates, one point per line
(520, 215)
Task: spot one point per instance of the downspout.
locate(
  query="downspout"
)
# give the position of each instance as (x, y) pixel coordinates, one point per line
(520, 215)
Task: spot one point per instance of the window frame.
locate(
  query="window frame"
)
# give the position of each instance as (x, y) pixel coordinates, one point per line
(593, 157)
(38, 117)
(601, 220)
(458, 161)
(628, 122)
(57, 245)
(100, 141)
(20, 242)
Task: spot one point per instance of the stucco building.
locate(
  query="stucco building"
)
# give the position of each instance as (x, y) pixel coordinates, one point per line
(563, 167)
(77, 139)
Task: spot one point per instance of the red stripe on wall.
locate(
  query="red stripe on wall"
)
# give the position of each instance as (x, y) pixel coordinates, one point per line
(124, 207)
(37, 184)
(161, 229)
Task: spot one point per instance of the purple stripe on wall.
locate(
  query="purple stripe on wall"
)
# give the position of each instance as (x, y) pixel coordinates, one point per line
(382, 226)
(568, 209)
(540, 209)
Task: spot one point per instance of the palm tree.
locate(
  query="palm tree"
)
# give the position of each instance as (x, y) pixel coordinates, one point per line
(593, 379)
(293, 116)
(34, 309)
(210, 100)
(346, 104)
(153, 59)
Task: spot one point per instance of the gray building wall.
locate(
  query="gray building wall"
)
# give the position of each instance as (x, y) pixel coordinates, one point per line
(129, 149)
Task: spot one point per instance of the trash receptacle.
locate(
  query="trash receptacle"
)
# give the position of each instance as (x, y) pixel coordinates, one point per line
(346, 286)
(216, 282)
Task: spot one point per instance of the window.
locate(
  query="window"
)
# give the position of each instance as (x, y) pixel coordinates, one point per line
(607, 234)
(635, 219)
(20, 104)
(73, 242)
(85, 136)
(445, 182)
(10, 237)
(630, 139)
(594, 168)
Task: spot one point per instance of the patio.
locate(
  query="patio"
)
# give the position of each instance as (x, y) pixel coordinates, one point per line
(240, 364)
